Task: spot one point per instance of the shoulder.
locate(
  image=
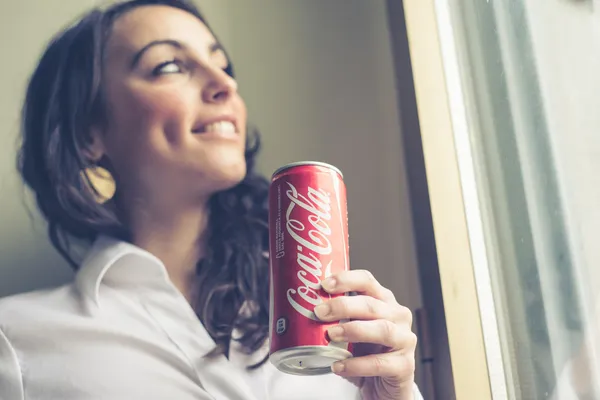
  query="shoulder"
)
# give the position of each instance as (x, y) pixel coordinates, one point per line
(22, 323)
(36, 306)
(11, 381)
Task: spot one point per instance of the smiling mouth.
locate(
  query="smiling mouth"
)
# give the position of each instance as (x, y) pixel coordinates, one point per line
(225, 127)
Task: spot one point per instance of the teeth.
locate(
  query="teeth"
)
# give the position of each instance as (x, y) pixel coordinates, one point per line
(220, 127)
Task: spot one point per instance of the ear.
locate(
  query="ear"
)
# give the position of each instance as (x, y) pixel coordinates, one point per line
(96, 148)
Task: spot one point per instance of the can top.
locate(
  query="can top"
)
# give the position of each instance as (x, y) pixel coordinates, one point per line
(309, 360)
(301, 163)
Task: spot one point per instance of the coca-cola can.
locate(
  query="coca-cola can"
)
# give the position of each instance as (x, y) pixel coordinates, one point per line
(308, 235)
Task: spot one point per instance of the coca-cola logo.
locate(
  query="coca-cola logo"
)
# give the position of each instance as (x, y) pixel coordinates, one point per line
(312, 243)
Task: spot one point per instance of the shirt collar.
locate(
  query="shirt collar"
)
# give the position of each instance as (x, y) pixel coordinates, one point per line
(114, 261)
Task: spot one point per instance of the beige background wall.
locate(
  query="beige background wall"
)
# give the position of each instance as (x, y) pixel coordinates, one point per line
(318, 78)
(26, 259)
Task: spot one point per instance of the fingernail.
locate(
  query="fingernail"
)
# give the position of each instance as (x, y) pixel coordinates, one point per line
(328, 284)
(322, 310)
(338, 367)
(337, 333)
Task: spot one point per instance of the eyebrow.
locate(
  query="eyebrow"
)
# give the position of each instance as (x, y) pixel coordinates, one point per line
(213, 48)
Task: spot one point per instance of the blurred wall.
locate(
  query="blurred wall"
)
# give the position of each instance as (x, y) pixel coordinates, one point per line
(318, 77)
(26, 259)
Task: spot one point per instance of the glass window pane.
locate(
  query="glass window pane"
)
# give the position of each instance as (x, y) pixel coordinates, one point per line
(530, 71)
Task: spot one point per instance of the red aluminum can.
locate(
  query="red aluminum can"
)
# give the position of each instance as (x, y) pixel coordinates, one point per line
(308, 235)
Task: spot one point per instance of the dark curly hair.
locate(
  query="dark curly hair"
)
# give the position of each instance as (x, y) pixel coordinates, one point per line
(63, 100)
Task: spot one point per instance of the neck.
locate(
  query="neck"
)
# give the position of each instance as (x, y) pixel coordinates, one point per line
(177, 239)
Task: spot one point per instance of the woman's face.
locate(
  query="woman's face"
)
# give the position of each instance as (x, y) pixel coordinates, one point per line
(175, 126)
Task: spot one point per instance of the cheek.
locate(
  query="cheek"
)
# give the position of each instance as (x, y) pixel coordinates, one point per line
(154, 119)
(146, 130)
(165, 113)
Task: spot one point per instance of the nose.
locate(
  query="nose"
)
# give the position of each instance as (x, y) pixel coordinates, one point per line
(219, 86)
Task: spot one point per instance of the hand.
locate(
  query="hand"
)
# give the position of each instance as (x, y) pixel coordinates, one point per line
(383, 365)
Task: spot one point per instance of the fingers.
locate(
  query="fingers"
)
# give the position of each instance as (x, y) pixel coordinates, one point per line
(362, 308)
(354, 307)
(361, 281)
(393, 365)
(381, 332)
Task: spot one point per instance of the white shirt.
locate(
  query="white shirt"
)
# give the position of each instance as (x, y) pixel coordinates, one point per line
(122, 331)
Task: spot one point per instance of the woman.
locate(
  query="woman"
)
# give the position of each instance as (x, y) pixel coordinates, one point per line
(134, 138)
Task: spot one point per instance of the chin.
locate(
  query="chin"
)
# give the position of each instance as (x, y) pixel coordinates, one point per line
(227, 176)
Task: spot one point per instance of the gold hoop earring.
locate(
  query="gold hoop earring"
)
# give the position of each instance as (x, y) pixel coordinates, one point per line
(101, 183)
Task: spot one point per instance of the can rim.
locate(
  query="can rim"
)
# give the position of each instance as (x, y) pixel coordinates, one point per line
(301, 163)
(281, 358)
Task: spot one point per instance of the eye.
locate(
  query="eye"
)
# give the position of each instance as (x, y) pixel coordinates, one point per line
(229, 70)
(168, 67)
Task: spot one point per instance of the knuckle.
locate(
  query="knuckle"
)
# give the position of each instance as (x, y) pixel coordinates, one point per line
(371, 305)
(405, 315)
(388, 294)
(380, 365)
(368, 276)
(389, 330)
(412, 340)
